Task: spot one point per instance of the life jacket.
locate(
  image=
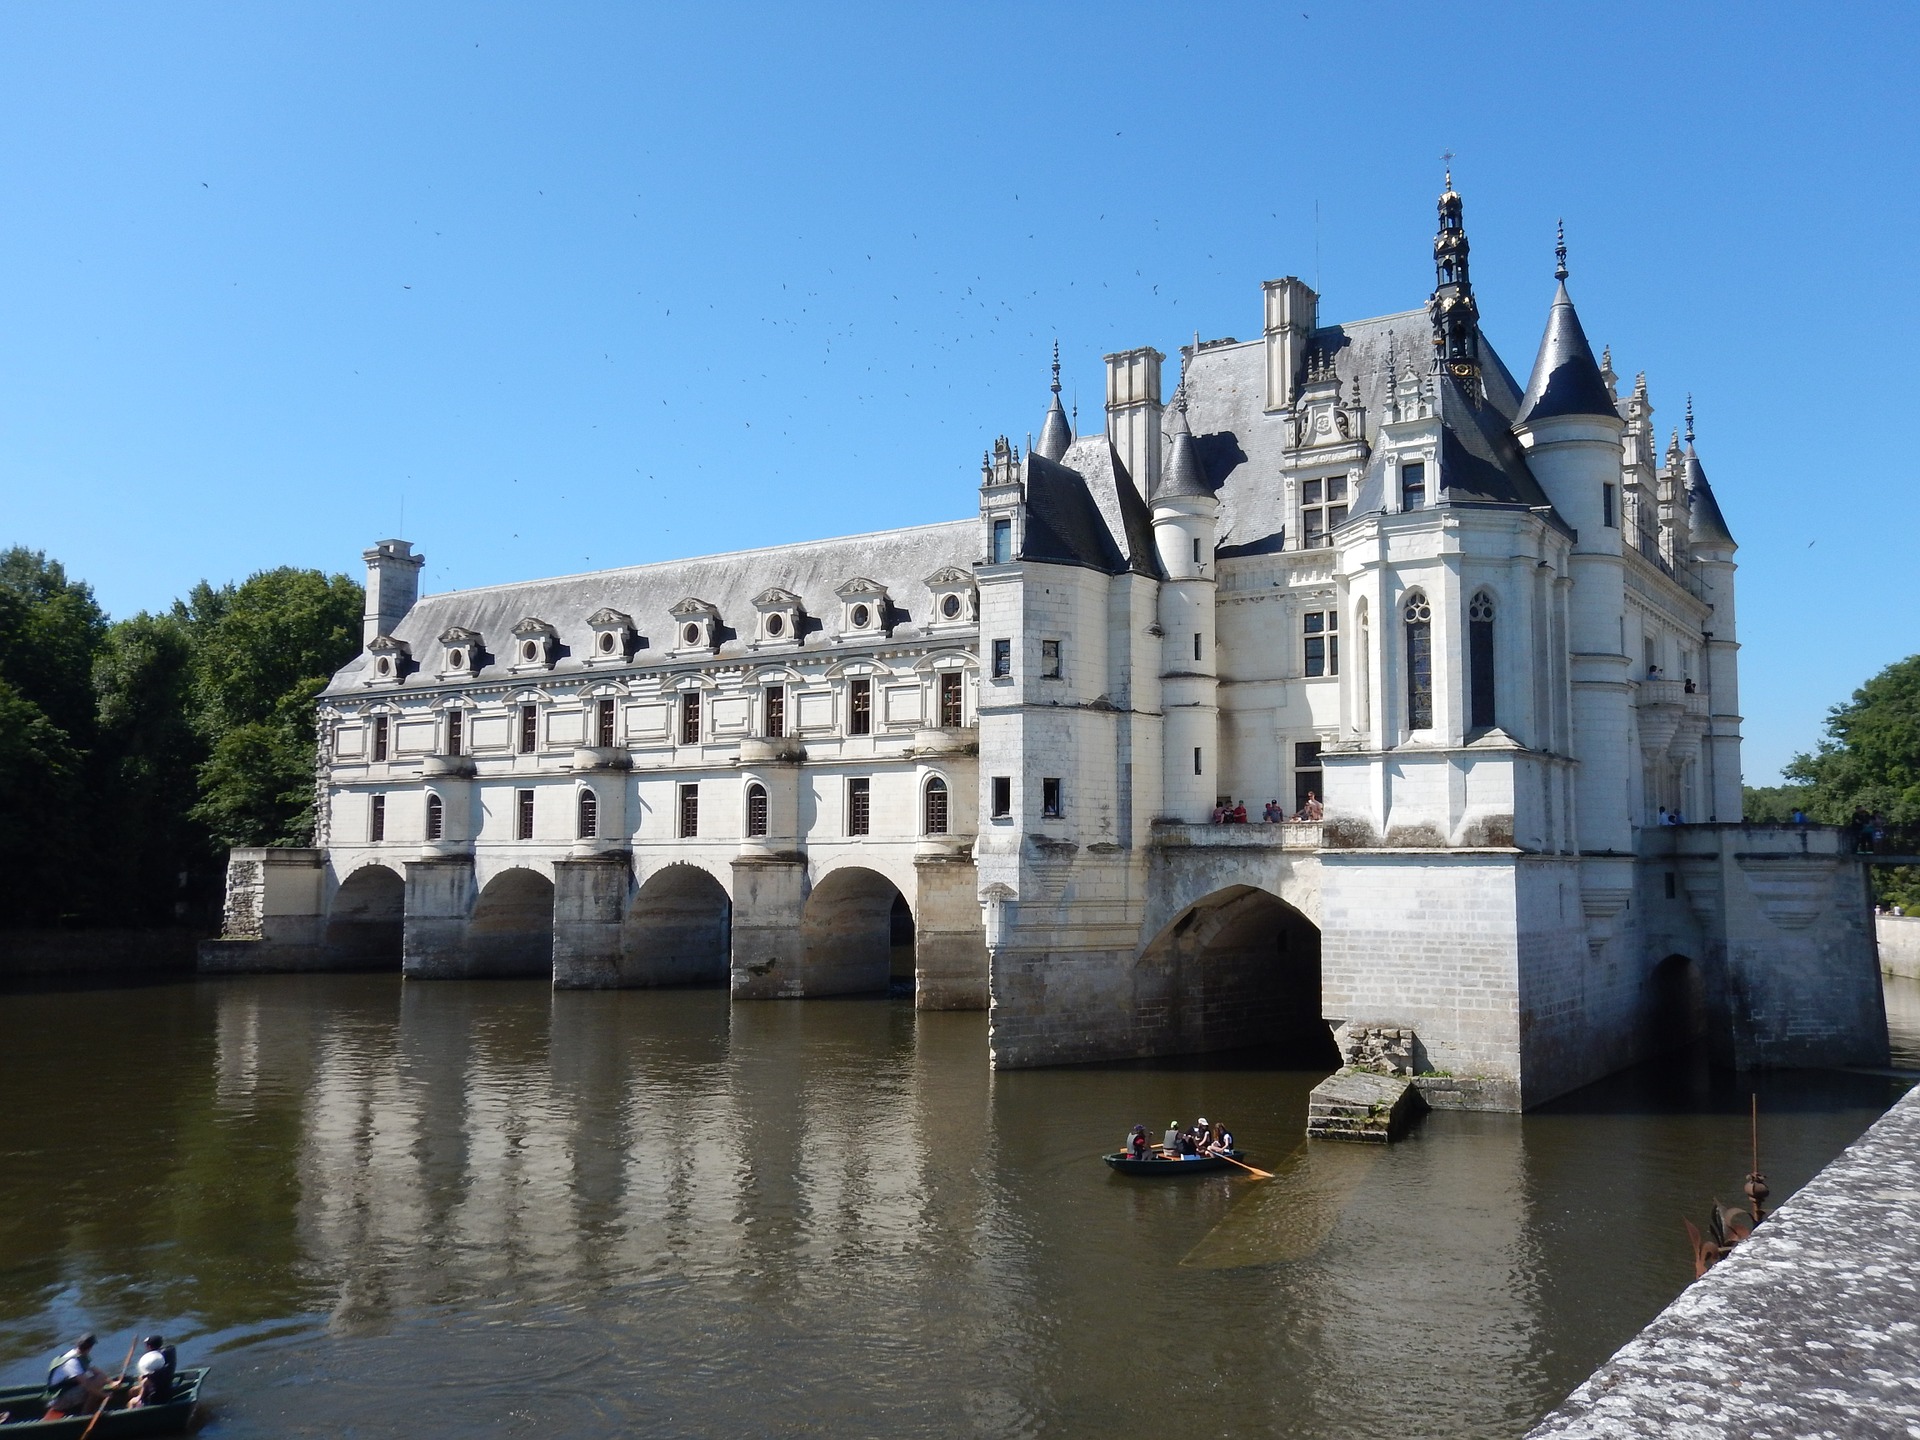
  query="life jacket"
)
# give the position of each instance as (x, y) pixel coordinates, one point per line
(58, 1384)
(1187, 1146)
(161, 1389)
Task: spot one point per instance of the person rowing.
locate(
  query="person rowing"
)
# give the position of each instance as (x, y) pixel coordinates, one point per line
(1137, 1142)
(74, 1385)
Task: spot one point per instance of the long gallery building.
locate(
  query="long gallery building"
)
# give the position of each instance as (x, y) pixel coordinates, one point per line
(1485, 630)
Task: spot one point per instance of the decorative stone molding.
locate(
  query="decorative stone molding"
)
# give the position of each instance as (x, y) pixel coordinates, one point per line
(1792, 892)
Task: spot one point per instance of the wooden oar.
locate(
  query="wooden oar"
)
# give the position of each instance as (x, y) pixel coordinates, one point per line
(1257, 1174)
(107, 1398)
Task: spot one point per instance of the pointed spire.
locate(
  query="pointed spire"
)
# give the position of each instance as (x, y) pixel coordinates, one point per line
(1708, 525)
(1566, 381)
(1452, 310)
(1184, 474)
(1055, 433)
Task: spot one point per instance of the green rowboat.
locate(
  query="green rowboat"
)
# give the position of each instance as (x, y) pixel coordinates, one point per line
(22, 1406)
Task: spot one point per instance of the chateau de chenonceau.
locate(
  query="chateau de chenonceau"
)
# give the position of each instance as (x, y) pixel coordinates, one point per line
(1474, 639)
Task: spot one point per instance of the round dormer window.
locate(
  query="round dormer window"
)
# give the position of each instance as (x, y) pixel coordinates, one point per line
(529, 650)
(384, 666)
(861, 615)
(776, 624)
(456, 659)
(691, 635)
(606, 642)
(950, 607)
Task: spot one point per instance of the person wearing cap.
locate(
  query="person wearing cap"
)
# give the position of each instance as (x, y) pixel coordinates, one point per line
(74, 1386)
(153, 1376)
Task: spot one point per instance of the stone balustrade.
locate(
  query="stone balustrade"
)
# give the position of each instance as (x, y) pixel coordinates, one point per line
(1287, 835)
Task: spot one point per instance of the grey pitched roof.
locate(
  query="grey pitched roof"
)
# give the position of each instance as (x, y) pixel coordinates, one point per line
(1055, 433)
(1118, 500)
(1064, 524)
(1566, 378)
(901, 560)
(1183, 473)
(1708, 525)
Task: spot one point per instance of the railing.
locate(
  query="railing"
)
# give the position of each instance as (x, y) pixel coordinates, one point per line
(1285, 835)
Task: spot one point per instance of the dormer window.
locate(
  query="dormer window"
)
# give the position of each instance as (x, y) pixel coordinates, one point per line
(781, 620)
(460, 653)
(391, 660)
(955, 601)
(864, 609)
(696, 626)
(536, 645)
(613, 637)
(1323, 509)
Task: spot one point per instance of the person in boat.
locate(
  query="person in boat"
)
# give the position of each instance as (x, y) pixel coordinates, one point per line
(1170, 1142)
(74, 1386)
(1137, 1143)
(1220, 1141)
(153, 1375)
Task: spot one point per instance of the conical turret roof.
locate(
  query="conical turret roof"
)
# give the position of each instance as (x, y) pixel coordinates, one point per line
(1708, 525)
(1055, 433)
(1566, 378)
(1184, 474)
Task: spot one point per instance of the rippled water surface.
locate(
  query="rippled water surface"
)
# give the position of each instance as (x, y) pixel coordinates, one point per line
(438, 1209)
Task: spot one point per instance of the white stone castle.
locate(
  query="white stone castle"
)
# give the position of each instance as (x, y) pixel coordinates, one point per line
(1476, 640)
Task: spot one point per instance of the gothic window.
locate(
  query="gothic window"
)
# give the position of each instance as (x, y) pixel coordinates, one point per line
(1480, 661)
(377, 818)
(1323, 509)
(1002, 542)
(1306, 774)
(1002, 796)
(1002, 659)
(689, 810)
(456, 731)
(1322, 635)
(953, 713)
(775, 711)
(859, 707)
(436, 817)
(380, 730)
(589, 815)
(936, 806)
(756, 809)
(603, 724)
(529, 729)
(523, 815)
(1419, 619)
(1049, 659)
(1051, 805)
(690, 718)
(859, 806)
(1413, 485)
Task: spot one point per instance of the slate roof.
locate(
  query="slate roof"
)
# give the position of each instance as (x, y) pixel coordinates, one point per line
(1117, 498)
(1064, 524)
(1055, 433)
(901, 560)
(1708, 524)
(1182, 472)
(1566, 378)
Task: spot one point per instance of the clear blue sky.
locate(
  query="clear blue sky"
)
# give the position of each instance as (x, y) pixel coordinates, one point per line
(580, 286)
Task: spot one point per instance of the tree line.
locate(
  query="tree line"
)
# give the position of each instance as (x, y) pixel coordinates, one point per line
(134, 752)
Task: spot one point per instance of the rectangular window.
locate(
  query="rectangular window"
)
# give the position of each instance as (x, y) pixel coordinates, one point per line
(529, 729)
(589, 815)
(1606, 507)
(1321, 636)
(1196, 644)
(1198, 768)
(859, 806)
(859, 707)
(1002, 542)
(1196, 550)
(379, 737)
(1050, 805)
(523, 815)
(1323, 507)
(603, 724)
(776, 711)
(1672, 889)
(1049, 659)
(377, 818)
(953, 705)
(1002, 796)
(1002, 659)
(689, 811)
(1413, 485)
(456, 731)
(1306, 774)
(690, 718)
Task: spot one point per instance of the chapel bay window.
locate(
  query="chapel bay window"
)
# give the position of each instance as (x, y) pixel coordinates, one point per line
(1321, 633)
(436, 817)
(1413, 485)
(953, 712)
(756, 809)
(859, 707)
(377, 818)
(1418, 616)
(1323, 509)
(774, 710)
(690, 718)
(588, 815)
(456, 731)
(529, 729)
(1480, 662)
(523, 815)
(380, 733)
(935, 817)
(859, 806)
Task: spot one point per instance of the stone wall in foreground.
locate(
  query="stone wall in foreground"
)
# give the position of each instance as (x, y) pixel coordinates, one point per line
(1812, 1327)
(1899, 937)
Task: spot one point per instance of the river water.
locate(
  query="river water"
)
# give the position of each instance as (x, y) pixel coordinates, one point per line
(448, 1209)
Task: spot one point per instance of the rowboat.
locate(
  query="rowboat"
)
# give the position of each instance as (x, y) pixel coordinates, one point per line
(22, 1406)
(1171, 1164)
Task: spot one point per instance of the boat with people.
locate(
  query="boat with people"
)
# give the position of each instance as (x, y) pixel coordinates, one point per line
(78, 1401)
(23, 1407)
(1196, 1149)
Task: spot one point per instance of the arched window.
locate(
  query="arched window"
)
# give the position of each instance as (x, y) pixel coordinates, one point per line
(1419, 620)
(589, 815)
(436, 815)
(936, 806)
(1480, 661)
(756, 809)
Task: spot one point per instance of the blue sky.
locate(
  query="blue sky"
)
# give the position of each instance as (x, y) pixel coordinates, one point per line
(574, 286)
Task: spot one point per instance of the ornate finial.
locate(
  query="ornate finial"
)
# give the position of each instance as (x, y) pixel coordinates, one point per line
(1447, 159)
(1689, 417)
(1606, 357)
(1056, 367)
(1560, 251)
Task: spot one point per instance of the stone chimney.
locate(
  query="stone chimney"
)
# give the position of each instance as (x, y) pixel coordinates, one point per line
(1133, 414)
(1292, 315)
(393, 584)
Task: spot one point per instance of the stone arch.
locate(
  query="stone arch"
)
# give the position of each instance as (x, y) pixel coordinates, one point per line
(851, 928)
(1675, 1004)
(366, 922)
(1236, 969)
(678, 930)
(511, 930)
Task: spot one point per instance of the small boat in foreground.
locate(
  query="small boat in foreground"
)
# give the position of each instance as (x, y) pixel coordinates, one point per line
(1163, 1164)
(22, 1406)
